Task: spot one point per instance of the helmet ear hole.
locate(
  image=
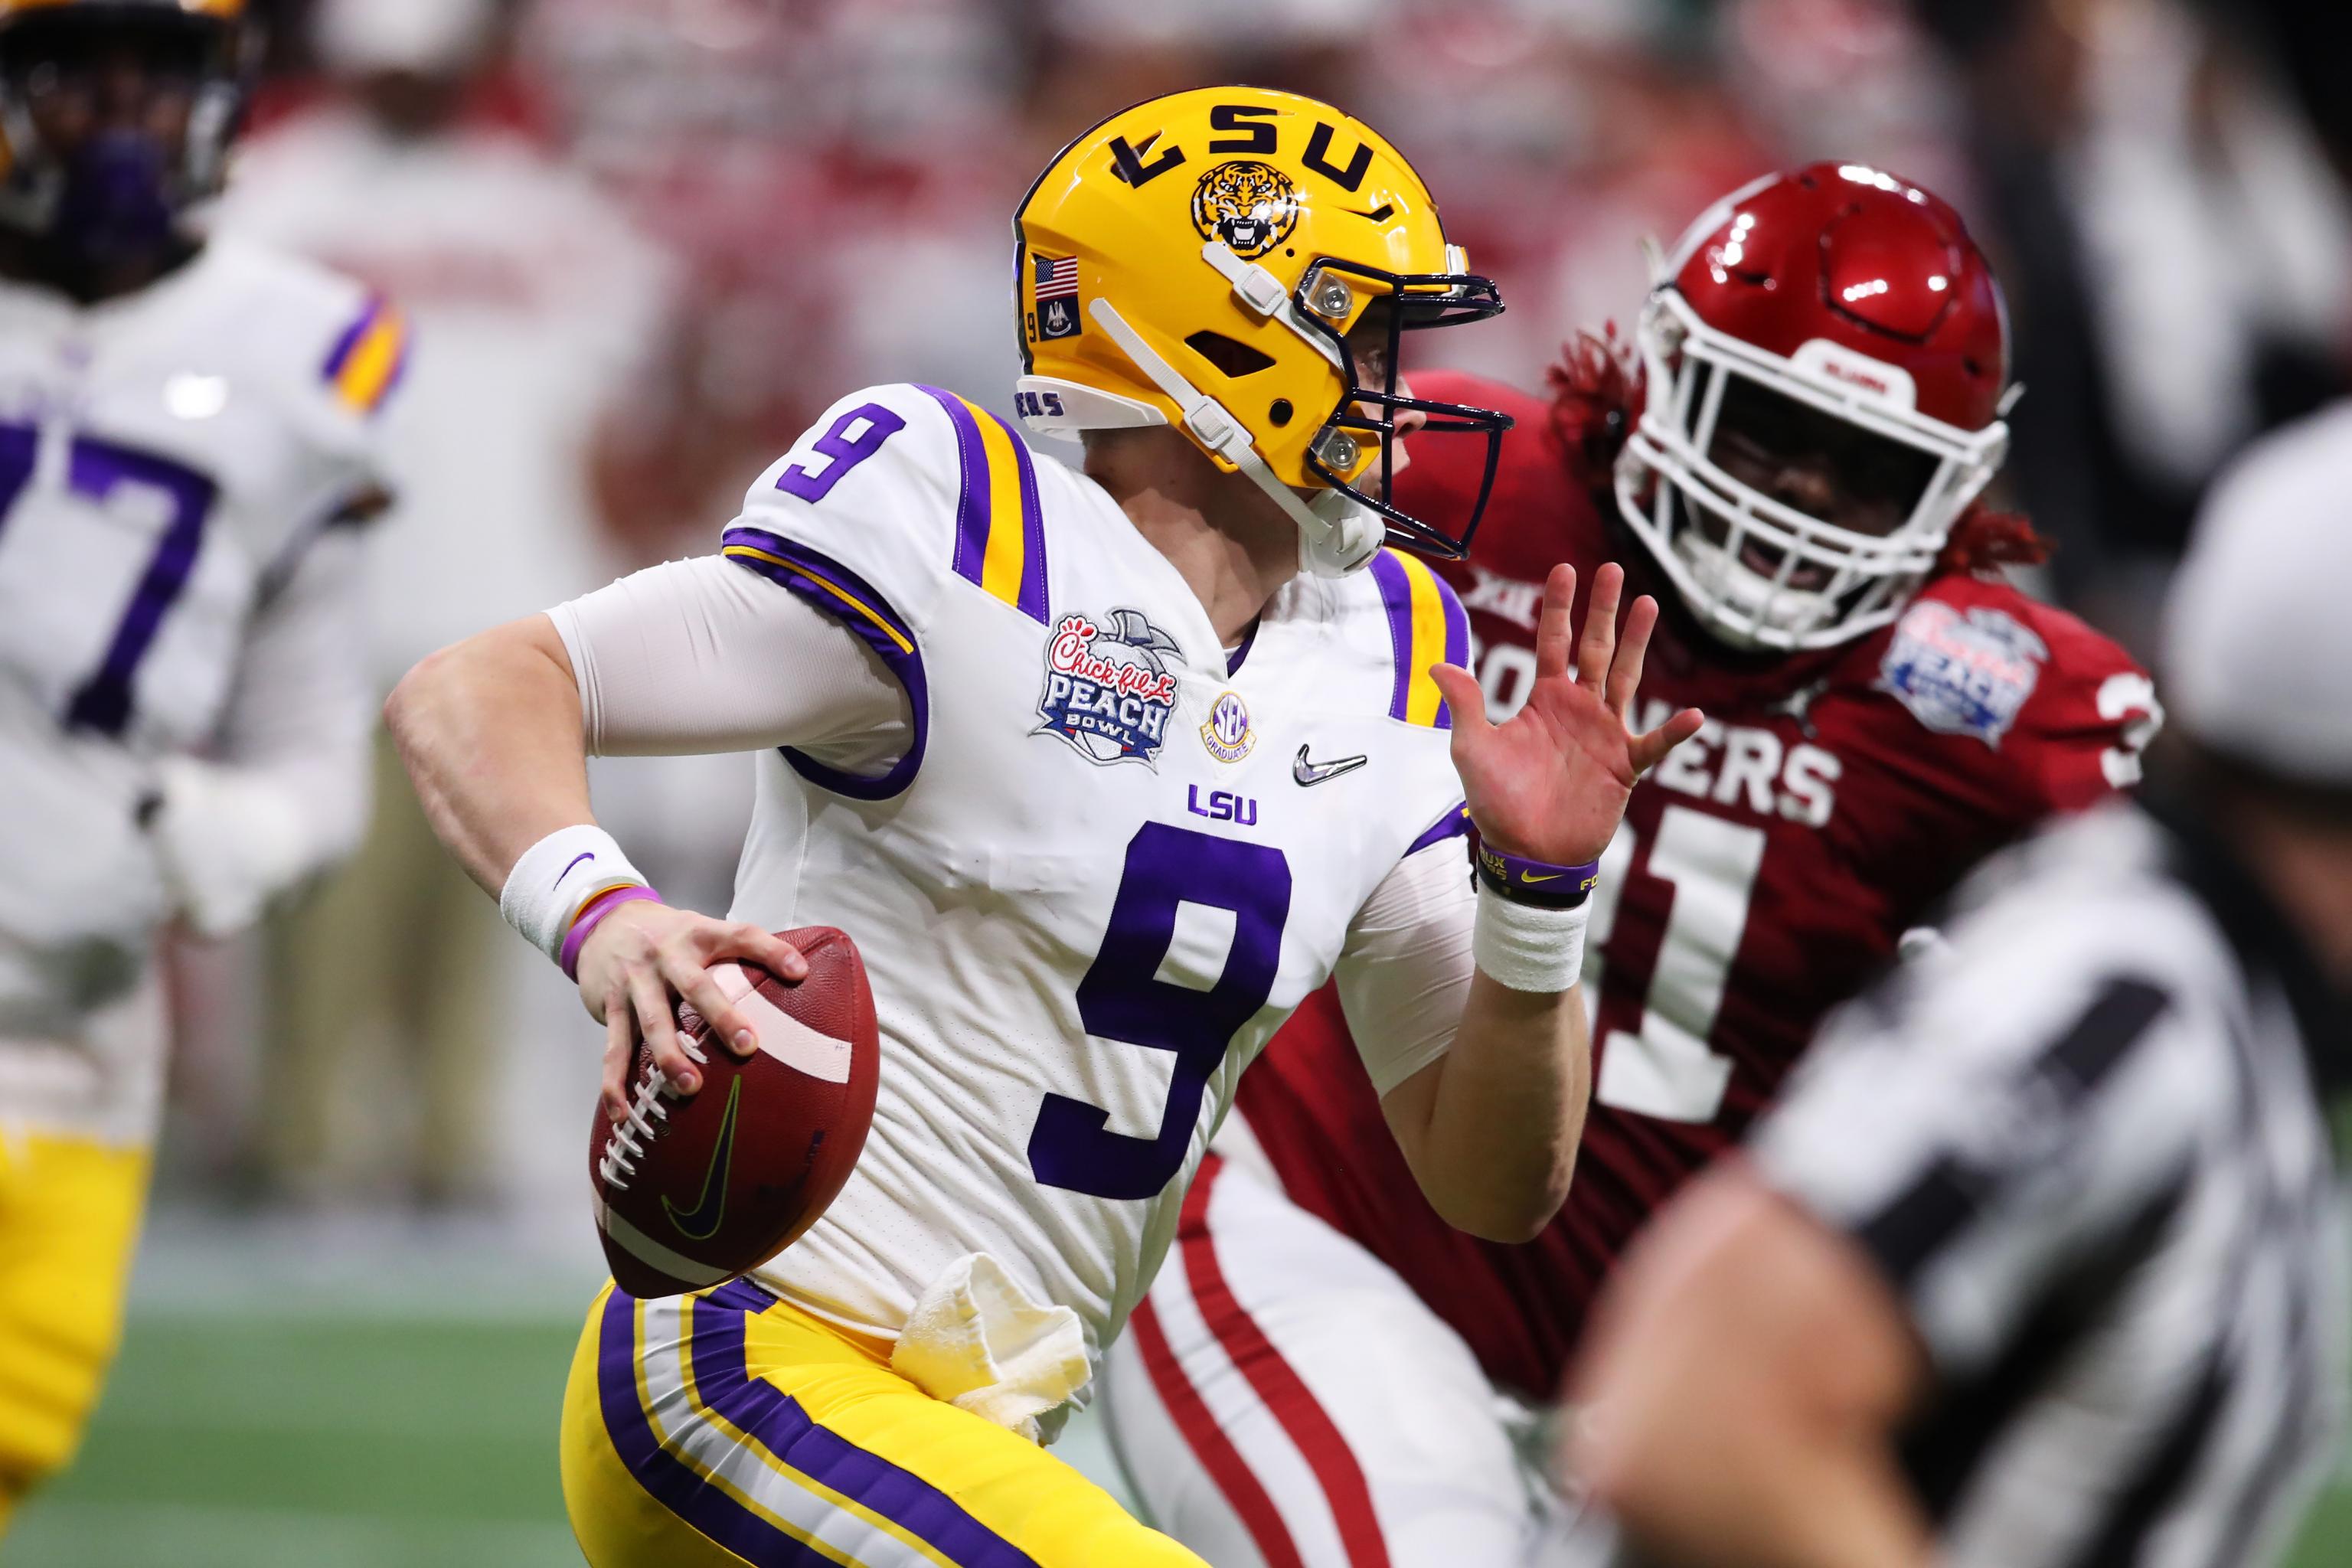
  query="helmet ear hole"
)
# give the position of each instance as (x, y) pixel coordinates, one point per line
(1279, 413)
(1234, 358)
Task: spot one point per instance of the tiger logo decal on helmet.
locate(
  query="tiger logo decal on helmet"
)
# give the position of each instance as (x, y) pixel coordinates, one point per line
(1252, 206)
(1200, 260)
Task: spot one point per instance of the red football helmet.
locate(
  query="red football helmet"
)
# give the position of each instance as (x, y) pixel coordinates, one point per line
(1834, 310)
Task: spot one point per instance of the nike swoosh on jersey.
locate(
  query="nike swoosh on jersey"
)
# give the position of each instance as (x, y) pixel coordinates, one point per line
(701, 1222)
(1309, 772)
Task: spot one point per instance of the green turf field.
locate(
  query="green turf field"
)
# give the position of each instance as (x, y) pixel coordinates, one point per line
(234, 1440)
(318, 1437)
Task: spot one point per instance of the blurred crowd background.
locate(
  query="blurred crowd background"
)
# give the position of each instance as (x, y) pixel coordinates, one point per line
(642, 241)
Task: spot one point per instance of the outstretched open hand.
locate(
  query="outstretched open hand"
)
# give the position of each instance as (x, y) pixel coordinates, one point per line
(1550, 783)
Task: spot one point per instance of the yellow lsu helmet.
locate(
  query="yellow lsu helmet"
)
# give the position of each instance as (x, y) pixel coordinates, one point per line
(209, 43)
(1199, 260)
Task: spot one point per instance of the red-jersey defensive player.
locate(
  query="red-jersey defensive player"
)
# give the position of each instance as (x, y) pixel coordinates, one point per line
(1313, 1381)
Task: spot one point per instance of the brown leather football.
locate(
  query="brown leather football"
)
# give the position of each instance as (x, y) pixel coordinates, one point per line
(692, 1192)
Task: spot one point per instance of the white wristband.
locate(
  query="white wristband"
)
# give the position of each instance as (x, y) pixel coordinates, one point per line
(555, 877)
(1525, 947)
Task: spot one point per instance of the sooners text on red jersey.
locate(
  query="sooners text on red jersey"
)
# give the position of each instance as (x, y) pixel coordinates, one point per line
(1763, 872)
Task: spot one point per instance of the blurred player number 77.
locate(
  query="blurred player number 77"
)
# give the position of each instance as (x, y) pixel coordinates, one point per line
(690, 1192)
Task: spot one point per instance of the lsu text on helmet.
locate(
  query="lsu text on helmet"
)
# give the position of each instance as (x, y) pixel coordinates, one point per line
(118, 184)
(1844, 310)
(1199, 260)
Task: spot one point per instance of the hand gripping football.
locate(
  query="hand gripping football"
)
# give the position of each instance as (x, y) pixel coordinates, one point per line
(692, 1192)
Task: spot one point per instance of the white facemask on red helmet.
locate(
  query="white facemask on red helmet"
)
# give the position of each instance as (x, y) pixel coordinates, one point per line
(1846, 314)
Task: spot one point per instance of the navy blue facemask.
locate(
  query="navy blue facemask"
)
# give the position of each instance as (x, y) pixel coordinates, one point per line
(114, 206)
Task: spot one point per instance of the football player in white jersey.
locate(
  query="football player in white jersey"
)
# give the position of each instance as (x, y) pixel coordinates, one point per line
(185, 438)
(1109, 771)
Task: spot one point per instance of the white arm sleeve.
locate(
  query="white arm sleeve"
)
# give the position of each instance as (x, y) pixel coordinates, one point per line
(285, 792)
(701, 655)
(1405, 972)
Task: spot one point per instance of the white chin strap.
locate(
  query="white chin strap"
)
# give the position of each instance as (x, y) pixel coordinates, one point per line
(1336, 536)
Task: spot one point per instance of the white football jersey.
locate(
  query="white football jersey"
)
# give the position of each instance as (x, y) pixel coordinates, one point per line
(1112, 860)
(164, 459)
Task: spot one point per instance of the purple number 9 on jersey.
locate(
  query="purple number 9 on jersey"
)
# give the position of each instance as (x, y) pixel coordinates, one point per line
(840, 451)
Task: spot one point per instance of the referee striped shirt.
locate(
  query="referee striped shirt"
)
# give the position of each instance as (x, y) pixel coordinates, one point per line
(2084, 1144)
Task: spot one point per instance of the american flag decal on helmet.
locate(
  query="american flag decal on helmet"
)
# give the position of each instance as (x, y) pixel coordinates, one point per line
(1057, 296)
(1057, 277)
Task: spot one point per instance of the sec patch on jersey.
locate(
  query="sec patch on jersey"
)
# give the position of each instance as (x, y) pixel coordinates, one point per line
(692, 1191)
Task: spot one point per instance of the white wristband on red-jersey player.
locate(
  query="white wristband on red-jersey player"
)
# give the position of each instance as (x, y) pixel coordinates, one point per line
(557, 878)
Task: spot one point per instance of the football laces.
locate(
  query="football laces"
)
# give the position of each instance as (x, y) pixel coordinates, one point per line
(625, 1145)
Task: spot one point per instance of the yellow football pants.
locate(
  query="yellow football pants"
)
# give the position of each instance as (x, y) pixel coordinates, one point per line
(727, 1428)
(68, 1222)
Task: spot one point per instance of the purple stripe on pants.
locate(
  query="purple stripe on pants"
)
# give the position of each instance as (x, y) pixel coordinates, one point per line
(776, 1421)
(669, 1480)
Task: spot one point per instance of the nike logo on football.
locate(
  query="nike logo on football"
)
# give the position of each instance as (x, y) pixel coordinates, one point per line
(701, 1222)
(1307, 772)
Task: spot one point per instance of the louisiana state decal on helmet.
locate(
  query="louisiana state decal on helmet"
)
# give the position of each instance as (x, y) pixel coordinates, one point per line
(1200, 260)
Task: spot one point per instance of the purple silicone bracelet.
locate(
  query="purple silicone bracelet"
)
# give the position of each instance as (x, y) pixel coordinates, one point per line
(1527, 881)
(590, 914)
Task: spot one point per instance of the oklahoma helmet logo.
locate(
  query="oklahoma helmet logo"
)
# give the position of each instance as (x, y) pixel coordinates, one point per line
(1109, 690)
(1962, 673)
(1252, 206)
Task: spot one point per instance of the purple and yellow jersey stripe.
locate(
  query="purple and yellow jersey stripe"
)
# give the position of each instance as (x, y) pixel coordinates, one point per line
(858, 605)
(365, 363)
(1000, 525)
(1426, 626)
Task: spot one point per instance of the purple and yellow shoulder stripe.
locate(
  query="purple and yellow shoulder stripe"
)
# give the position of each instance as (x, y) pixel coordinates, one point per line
(1426, 626)
(365, 363)
(999, 542)
(830, 583)
(859, 605)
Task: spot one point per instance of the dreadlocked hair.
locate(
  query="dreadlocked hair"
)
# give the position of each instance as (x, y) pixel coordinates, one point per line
(1984, 541)
(1596, 390)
